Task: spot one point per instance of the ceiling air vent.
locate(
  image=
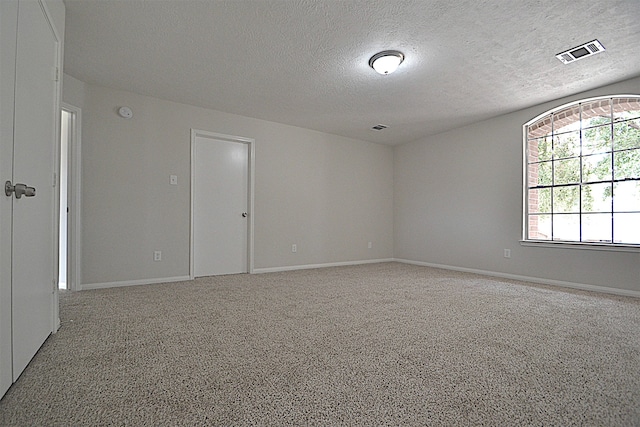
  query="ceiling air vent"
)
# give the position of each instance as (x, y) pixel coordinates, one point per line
(580, 52)
(379, 127)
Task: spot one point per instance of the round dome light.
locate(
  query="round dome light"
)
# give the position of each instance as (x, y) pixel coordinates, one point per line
(386, 62)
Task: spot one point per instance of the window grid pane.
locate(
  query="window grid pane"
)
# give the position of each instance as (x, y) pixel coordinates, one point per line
(566, 171)
(566, 145)
(597, 198)
(540, 149)
(625, 164)
(566, 227)
(627, 197)
(625, 229)
(566, 199)
(539, 227)
(596, 168)
(596, 228)
(626, 134)
(595, 113)
(596, 140)
(539, 201)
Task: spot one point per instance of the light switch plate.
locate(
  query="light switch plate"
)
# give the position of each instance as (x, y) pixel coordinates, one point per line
(173, 180)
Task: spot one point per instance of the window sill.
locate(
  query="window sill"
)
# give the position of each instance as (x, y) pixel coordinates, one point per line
(581, 246)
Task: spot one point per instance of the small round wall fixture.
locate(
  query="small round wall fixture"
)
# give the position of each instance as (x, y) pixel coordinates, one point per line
(386, 62)
(125, 112)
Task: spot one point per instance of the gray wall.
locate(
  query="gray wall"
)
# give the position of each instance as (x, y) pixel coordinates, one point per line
(458, 202)
(329, 195)
(454, 199)
(73, 91)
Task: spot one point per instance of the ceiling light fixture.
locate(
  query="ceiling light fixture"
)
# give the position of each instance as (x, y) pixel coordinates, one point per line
(386, 62)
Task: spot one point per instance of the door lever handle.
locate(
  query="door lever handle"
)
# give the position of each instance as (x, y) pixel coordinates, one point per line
(19, 190)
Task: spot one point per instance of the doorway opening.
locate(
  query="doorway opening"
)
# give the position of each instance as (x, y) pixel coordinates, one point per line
(69, 213)
(66, 126)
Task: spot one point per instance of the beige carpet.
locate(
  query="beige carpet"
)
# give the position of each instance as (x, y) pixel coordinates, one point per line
(381, 344)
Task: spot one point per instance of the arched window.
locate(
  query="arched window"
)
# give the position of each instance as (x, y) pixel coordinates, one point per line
(582, 173)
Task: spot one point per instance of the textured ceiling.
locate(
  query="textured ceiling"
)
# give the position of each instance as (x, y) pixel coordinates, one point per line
(305, 62)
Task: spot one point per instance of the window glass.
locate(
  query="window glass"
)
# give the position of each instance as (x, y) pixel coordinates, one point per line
(583, 173)
(595, 113)
(625, 228)
(626, 134)
(566, 171)
(540, 149)
(596, 168)
(540, 174)
(566, 120)
(566, 199)
(596, 140)
(596, 228)
(539, 227)
(566, 227)
(540, 128)
(566, 145)
(596, 197)
(625, 164)
(627, 197)
(627, 108)
(540, 200)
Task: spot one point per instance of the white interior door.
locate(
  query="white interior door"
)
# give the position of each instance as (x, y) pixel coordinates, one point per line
(33, 252)
(220, 206)
(8, 35)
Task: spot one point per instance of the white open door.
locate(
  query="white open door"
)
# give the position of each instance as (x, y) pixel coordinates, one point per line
(30, 190)
(221, 199)
(8, 34)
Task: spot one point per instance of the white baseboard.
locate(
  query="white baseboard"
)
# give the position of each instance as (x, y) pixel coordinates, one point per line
(573, 285)
(310, 266)
(133, 282)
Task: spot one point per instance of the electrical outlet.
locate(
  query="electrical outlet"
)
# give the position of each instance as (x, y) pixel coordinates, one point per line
(157, 255)
(507, 253)
(369, 245)
(294, 248)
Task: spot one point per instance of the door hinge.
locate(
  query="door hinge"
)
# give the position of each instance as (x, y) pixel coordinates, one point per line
(56, 74)
(55, 179)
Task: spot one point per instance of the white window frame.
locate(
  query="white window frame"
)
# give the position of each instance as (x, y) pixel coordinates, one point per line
(526, 241)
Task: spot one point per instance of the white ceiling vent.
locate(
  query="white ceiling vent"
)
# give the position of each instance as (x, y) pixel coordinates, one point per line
(580, 52)
(379, 127)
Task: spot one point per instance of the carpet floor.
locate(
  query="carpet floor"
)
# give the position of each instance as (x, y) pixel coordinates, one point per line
(378, 344)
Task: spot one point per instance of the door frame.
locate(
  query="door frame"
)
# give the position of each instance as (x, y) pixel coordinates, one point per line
(74, 194)
(55, 309)
(250, 142)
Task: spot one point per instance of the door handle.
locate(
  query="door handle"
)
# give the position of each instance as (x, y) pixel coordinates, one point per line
(244, 214)
(19, 190)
